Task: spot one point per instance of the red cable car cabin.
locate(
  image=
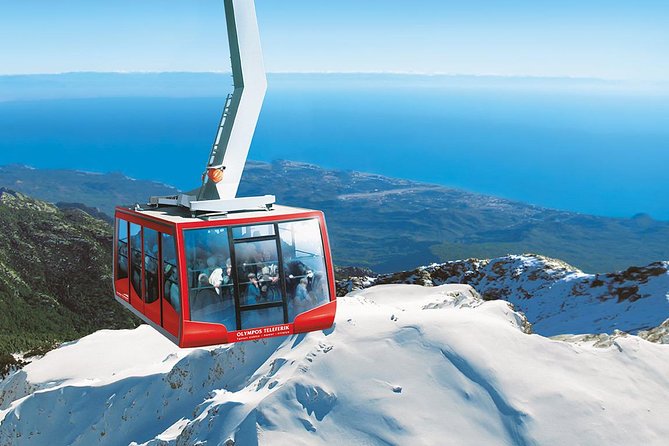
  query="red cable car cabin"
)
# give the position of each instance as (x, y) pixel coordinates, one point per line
(244, 276)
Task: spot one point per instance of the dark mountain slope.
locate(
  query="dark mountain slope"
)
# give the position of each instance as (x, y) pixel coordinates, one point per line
(55, 274)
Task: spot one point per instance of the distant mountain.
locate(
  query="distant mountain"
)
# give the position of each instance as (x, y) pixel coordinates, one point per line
(403, 365)
(55, 275)
(556, 297)
(390, 224)
(98, 191)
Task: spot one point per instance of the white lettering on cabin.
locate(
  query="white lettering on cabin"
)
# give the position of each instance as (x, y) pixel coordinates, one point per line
(245, 333)
(263, 331)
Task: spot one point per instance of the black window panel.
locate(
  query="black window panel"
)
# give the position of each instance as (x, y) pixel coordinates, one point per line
(136, 258)
(151, 252)
(170, 272)
(122, 249)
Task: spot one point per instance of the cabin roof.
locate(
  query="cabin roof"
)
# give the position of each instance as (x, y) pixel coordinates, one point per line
(180, 216)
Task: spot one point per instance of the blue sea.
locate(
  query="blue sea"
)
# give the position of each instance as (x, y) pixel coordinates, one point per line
(599, 152)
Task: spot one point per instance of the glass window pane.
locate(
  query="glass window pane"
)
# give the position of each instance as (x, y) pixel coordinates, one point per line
(258, 272)
(210, 288)
(122, 254)
(262, 318)
(304, 263)
(150, 265)
(170, 273)
(243, 232)
(136, 258)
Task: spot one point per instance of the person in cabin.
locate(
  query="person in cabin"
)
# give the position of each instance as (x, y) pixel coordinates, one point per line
(221, 280)
(205, 302)
(252, 290)
(319, 288)
(295, 270)
(171, 290)
(302, 295)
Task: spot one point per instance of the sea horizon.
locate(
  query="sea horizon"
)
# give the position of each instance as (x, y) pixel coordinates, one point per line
(569, 146)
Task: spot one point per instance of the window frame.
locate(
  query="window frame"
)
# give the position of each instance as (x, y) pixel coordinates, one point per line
(232, 242)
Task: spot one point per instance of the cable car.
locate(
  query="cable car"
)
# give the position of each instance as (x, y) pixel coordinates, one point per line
(211, 281)
(207, 267)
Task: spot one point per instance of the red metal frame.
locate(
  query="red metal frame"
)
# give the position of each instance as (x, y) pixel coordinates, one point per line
(197, 334)
(118, 283)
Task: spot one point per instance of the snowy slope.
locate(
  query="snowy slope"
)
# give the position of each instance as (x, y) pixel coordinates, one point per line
(556, 297)
(405, 364)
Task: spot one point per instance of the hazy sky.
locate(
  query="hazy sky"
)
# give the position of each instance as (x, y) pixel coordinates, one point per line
(586, 38)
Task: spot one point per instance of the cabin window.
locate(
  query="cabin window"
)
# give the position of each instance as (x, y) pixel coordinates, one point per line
(304, 263)
(136, 258)
(170, 273)
(211, 286)
(258, 272)
(122, 250)
(262, 317)
(244, 232)
(151, 285)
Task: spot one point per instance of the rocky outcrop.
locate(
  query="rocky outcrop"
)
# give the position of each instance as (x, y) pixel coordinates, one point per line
(658, 334)
(556, 297)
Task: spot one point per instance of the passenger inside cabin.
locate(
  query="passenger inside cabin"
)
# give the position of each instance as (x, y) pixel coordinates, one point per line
(252, 290)
(301, 294)
(252, 259)
(319, 288)
(221, 279)
(205, 303)
(123, 258)
(137, 270)
(171, 288)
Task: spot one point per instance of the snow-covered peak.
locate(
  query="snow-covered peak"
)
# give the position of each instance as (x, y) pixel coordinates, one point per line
(404, 364)
(556, 297)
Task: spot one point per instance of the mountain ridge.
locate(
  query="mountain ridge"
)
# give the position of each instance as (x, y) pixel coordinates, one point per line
(556, 297)
(391, 224)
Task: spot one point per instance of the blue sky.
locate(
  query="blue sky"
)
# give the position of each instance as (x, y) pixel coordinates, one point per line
(587, 38)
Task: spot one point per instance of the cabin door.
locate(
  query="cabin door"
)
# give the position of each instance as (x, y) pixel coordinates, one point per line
(260, 290)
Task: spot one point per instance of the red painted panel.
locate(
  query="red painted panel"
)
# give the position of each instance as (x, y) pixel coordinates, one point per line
(328, 258)
(121, 287)
(319, 318)
(171, 320)
(183, 275)
(152, 311)
(198, 334)
(136, 301)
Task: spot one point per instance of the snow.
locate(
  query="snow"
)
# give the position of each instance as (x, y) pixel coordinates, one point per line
(404, 364)
(556, 297)
(109, 355)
